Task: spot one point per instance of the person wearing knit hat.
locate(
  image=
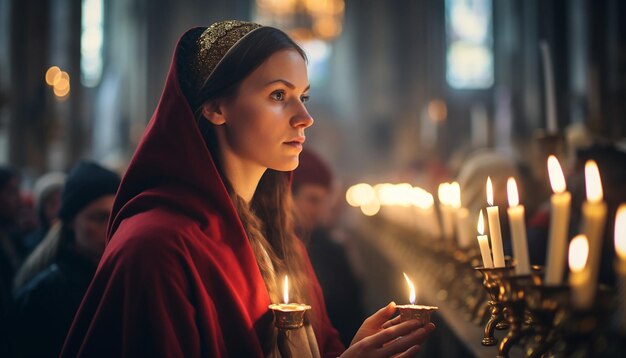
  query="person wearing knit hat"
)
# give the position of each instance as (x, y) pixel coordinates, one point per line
(50, 285)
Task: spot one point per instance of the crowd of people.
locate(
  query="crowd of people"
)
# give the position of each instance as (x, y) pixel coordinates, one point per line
(47, 268)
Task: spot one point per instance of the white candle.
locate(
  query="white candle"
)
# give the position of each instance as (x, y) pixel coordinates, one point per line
(461, 217)
(446, 210)
(581, 291)
(620, 263)
(518, 229)
(432, 223)
(551, 124)
(495, 232)
(483, 242)
(560, 203)
(594, 213)
(463, 229)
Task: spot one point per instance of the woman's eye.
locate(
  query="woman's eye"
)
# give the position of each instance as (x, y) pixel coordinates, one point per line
(278, 95)
(304, 99)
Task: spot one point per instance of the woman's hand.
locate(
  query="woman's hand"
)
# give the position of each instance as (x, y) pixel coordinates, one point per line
(381, 336)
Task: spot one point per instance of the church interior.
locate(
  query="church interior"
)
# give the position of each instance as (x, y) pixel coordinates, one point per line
(471, 153)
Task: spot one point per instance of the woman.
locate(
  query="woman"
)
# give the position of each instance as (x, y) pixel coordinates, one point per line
(51, 283)
(201, 230)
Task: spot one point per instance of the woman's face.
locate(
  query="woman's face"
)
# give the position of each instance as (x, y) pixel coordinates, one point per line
(90, 227)
(265, 121)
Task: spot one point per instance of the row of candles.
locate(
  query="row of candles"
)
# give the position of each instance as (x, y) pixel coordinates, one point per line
(584, 251)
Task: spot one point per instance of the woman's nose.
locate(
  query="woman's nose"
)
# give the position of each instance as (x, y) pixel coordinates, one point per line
(302, 118)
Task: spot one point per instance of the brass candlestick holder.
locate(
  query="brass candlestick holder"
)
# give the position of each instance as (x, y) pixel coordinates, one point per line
(289, 316)
(544, 303)
(512, 293)
(491, 283)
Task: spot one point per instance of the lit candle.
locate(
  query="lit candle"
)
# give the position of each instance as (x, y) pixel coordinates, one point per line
(594, 213)
(462, 228)
(518, 229)
(288, 315)
(483, 242)
(461, 217)
(431, 216)
(444, 192)
(620, 263)
(582, 292)
(493, 214)
(549, 89)
(429, 222)
(412, 311)
(560, 203)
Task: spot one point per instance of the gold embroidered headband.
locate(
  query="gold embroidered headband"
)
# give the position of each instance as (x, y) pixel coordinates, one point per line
(215, 43)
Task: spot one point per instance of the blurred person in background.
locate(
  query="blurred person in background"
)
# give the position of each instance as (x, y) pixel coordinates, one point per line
(312, 189)
(47, 196)
(50, 285)
(11, 250)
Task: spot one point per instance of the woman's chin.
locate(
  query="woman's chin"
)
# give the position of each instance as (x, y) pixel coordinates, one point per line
(286, 166)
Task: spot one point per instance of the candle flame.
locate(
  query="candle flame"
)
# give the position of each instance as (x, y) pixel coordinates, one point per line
(455, 194)
(557, 180)
(511, 190)
(422, 198)
(593, 183)
(443, 192)
(286, 290)
(489, 192)
(578, 253)
(411, 289)
(481, 224)
(620, 232)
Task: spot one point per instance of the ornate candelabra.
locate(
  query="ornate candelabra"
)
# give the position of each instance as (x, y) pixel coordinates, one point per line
(491, 282)
(545, 304)
(512, 290)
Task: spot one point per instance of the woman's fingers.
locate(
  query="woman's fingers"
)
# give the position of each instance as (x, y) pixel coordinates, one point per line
(392, 322)
(409, 352)
(391, 333)
(406, 343)
(373, 323)
(382, 315)
(402, 340)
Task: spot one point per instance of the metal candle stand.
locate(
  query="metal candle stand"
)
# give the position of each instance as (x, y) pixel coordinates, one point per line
(491, 282)
(545, 304)
(512, 291)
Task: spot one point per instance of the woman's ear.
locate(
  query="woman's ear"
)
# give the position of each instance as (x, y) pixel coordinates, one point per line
(212, 112)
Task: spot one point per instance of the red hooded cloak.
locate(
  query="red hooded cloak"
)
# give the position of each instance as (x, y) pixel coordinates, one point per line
(178, 276)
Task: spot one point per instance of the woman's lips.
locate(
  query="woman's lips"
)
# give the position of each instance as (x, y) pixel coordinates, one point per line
(295, 144)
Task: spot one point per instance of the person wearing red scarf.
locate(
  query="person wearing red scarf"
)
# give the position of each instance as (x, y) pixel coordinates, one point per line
(200, 233)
